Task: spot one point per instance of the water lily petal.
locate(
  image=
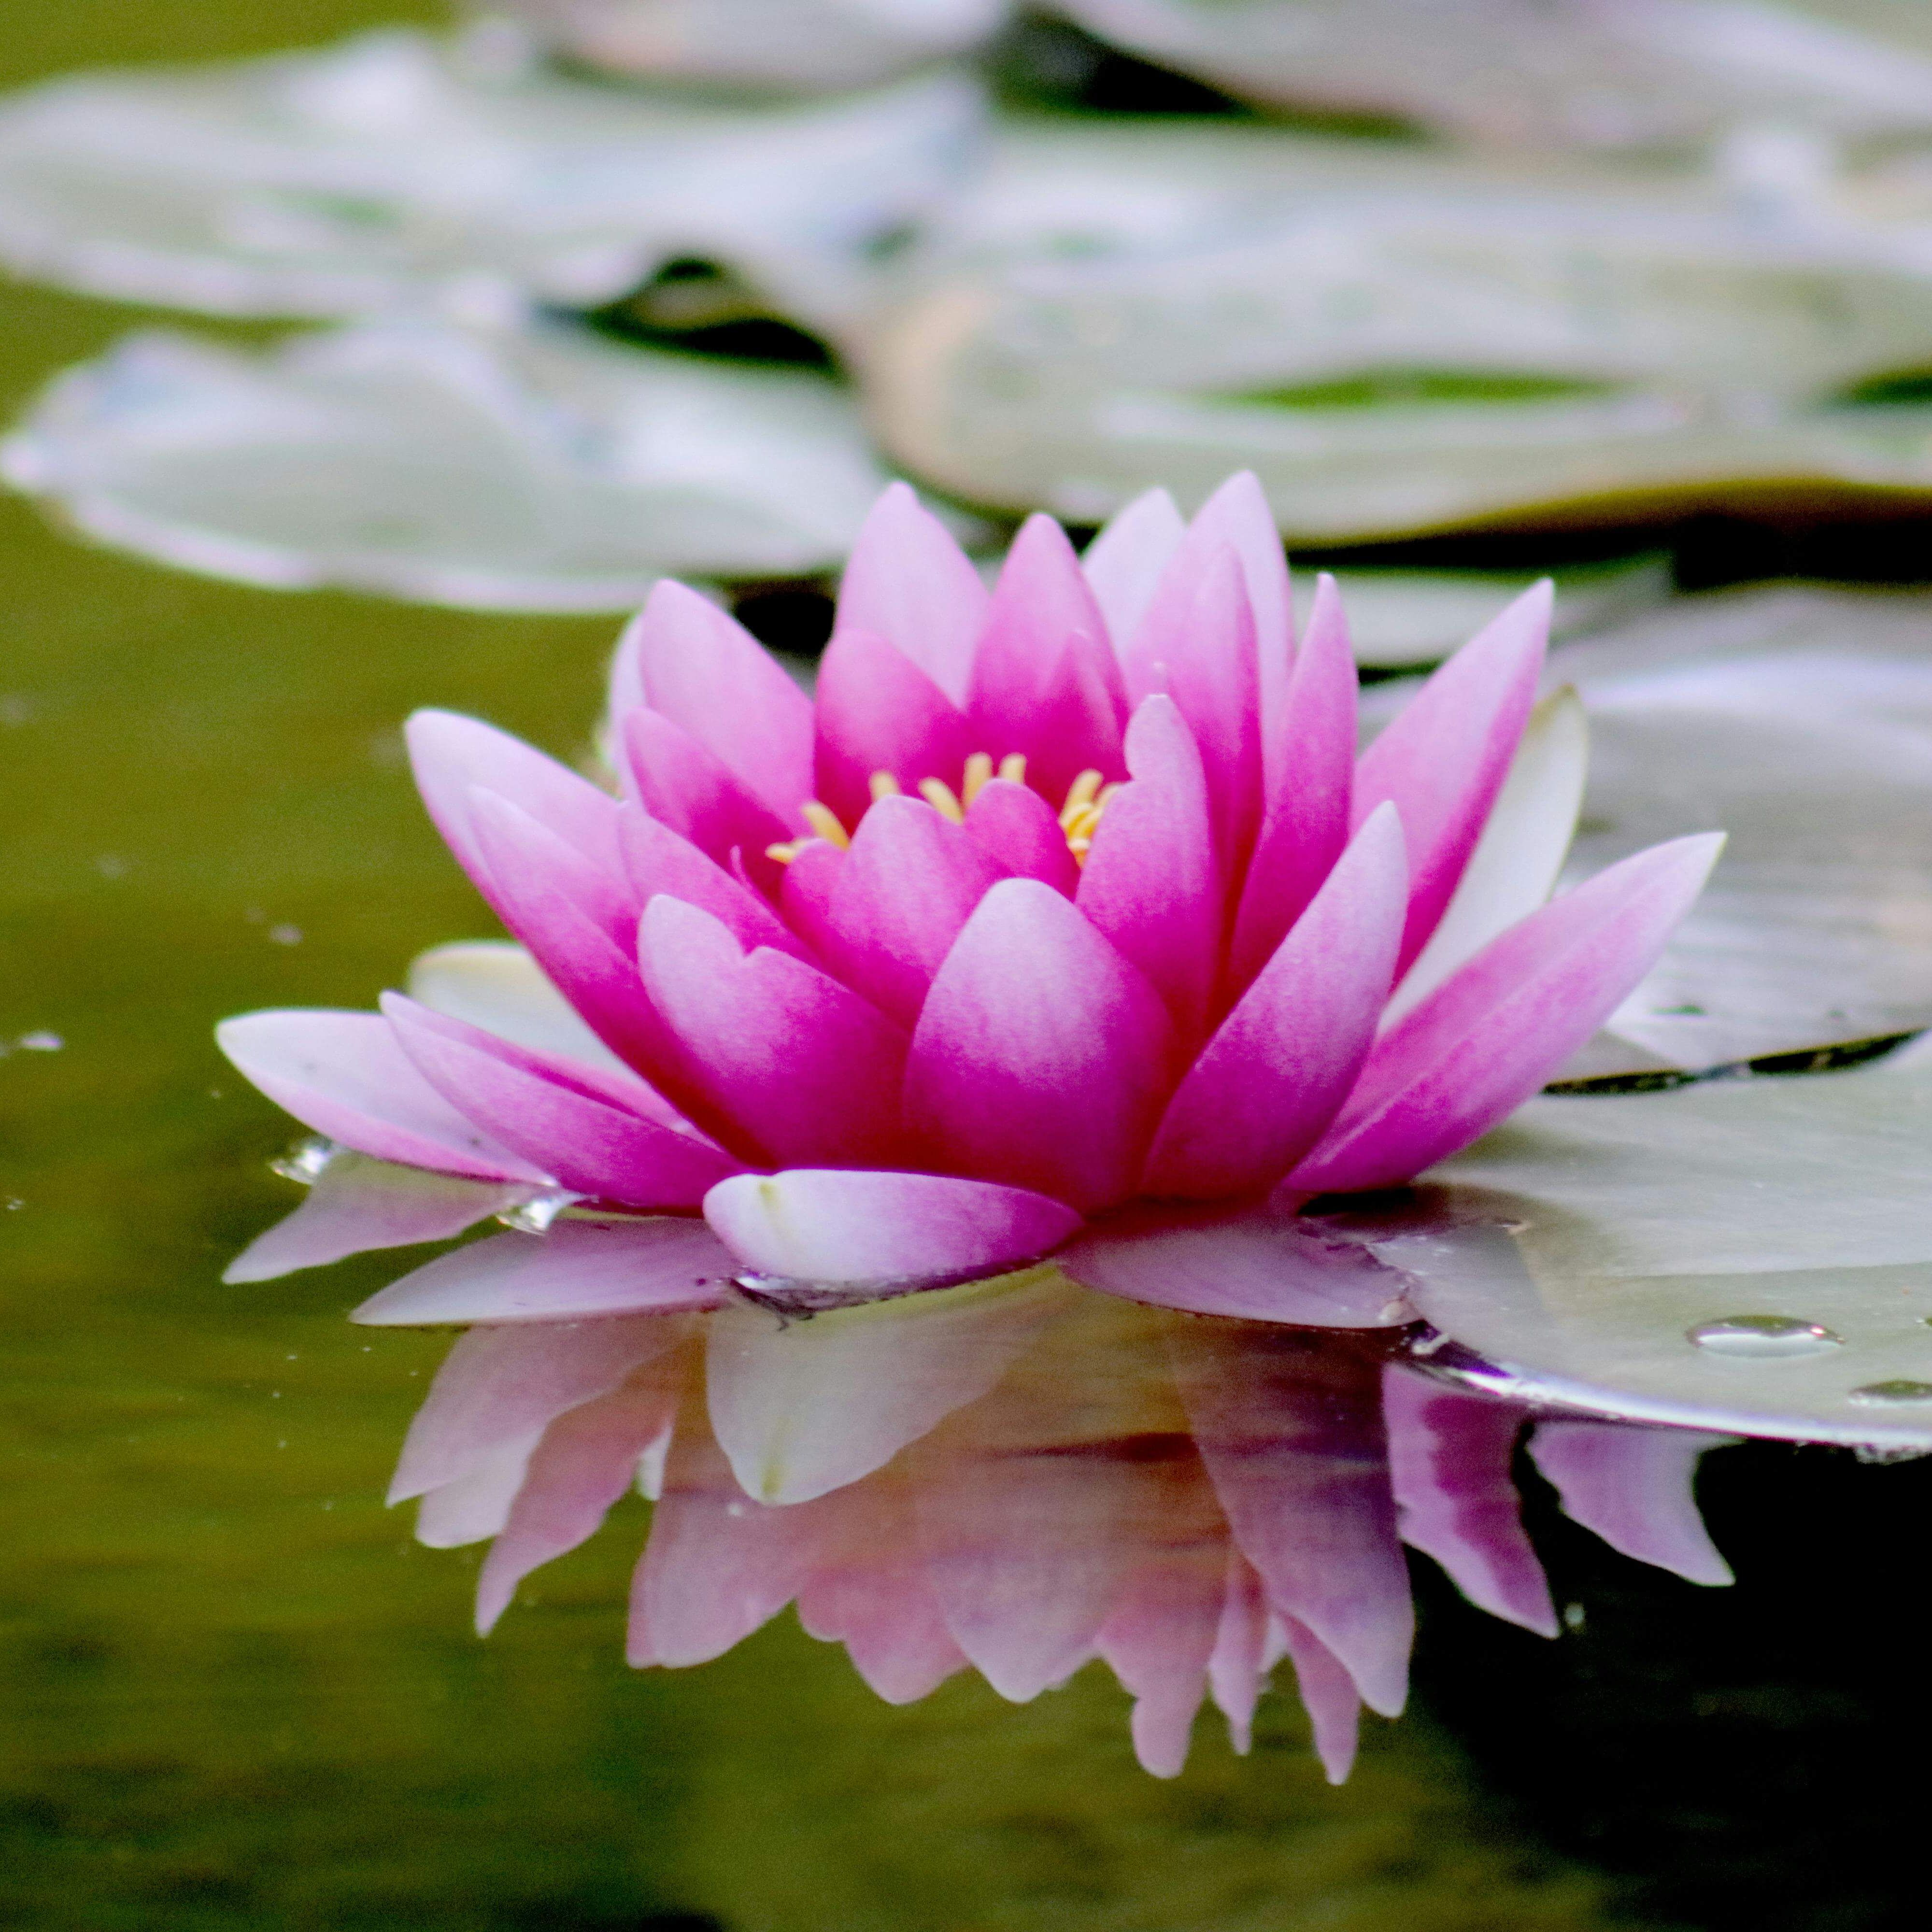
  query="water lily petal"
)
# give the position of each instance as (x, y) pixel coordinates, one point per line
(476, 1506)
(1238, 1666)
(660, 862)
(1483, 1043)
(498, 986)
(1328, 1694)
(797, 1062)
(859, 1226)
(1633, 1486)
(1040, 1055)
(878, 712)
(1022, 835)
(907, 581)
(345, 1075)
(356, 1203)
(1271, 1080)
(1456, 1497)
(690, 788)
(701, 669)
(1124, 564)
(1444, 758)
(615, 1140)
(578, 1270)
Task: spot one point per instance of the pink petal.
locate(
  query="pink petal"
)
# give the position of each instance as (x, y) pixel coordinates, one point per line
(1021, 833)
(1634, 1487)
(1201, 650)
(474, 1508)
(1236, 1669)
(1487, 1038)
(878, 712)
(805, 894)
(1444, 758)
(1253, 1262)
(800, 1064)
(1124, 563)
(1271, 1080)
(700, 668)
(579, 1270)
(908, 582)
(834, 1225)
(610, 1139)
(498, 1385)
(1329, 1696)
(356, 1203)
(904, 891)
(1290, 1427)
(718, 1567)
(1153, 883)
(586, 1460)
(688, 787)
(1040, 1057)
(1036, 689)
(659, 861)
(345, 1076)
(522, 854)
(1456, 1497)
(450, 754)
(1305, 829)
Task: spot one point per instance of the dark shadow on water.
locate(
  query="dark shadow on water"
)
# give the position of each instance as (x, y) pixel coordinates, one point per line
(1744, 1757)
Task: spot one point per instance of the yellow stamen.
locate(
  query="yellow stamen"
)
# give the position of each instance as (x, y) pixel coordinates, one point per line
(884, 785)
(1012, 768)
(825, 822)
(785, 854)
(979, 776)
(942, 799)
(1080, 794)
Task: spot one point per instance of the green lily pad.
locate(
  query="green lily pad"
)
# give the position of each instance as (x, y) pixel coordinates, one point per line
(1753, 1256)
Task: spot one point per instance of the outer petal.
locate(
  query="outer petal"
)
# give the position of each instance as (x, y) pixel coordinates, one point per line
(1456, 1497)
(1255, 1263)
(345, 1076)
(659, 861)
(528, 862)
(1040, 1057)
(579, 1270)
(1305, 826)
(1481, 1045)
(450, 754)
(878, 712)
(613, 1140)
(801, 1064)
(1328, 1694)
(908, 582)
(1153, 884)
(690, 789)
(356, 1203)
(1633, 1486)
(700, 668)
(903, 893)
(834, 1226)
(1271, 1080)
(1444, 760)
(1124, 564)
(1021, 833)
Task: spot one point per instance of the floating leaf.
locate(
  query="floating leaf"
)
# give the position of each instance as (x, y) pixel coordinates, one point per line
(532, 468)
(1751, 1255)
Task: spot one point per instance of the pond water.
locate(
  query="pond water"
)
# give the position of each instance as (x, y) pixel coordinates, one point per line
(236, 1692)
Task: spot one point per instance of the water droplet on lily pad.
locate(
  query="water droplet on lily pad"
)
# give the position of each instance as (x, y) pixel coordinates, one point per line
(1765, 1337)
(1892, 1394)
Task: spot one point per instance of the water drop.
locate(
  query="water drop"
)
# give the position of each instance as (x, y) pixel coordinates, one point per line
(42, 1042)
(1765, 1337)
(304, 1162)
(536, 1216)
(1573, 1616)
(1892, 1395)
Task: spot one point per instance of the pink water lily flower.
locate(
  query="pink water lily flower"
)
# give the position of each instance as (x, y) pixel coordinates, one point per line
(1065, 920)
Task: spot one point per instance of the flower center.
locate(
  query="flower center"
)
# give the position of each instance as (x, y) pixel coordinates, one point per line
(1080, 816)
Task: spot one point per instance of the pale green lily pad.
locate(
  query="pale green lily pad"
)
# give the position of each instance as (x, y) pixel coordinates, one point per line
(1395, 340)
(795, 46)
(396, 168)
(531, 468)
(1645, 73)
(1576, 1252)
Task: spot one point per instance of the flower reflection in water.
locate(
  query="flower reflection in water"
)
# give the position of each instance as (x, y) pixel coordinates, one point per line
(1018, 1477)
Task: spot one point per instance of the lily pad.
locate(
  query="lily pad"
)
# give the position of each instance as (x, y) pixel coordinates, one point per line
(536, 467)
(395, 168)
(1524, 72)
(794, 46)
(1753, 1256)
(1395, 340)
